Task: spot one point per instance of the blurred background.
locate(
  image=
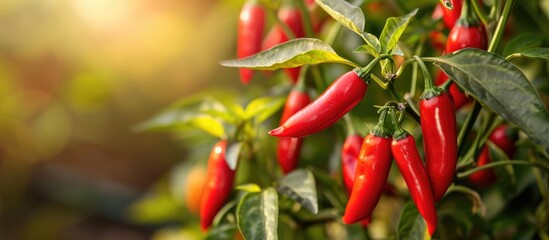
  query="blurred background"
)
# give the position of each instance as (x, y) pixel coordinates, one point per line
(75, 76)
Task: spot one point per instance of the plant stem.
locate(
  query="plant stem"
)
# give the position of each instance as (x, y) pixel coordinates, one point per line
(349, 123)
(483, 17)
(501, 25)
(500, 163)
(467, 126)
(478, 205)
(306, 19)
(402, 66)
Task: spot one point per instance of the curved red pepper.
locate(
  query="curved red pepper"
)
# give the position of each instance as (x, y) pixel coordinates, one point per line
(349, 158)
(250, 31)
(218, 185)
(411, 167)
(289, 148)
(372, 170)
(438, 126)
(291, 16)
(338, 99)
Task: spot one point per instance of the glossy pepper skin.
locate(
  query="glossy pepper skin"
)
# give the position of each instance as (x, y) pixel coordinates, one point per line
(450, 17)
(438, 126)
(504, 138)
(250, 33)
(372, 170)
(291, 16)
(458, 97)
(218, 185)
(288, 149)
(463, 36)
(338, 99)
(408, 160)
(349, 158)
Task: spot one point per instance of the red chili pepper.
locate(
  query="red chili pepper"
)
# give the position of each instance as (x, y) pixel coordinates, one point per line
(438, 40)
(338, 99)
(413, 171)
(218, 185)
(458, 97)
(439, 129)
(250, 32)
(504, 138)
(349, 158)
(451, 16)
(289, 148)
(483, 178)
(291, 16)
(468, 32)
(372, 170)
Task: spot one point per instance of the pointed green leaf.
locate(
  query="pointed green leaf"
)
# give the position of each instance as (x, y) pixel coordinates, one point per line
(263, 108)
(222, 232)
(233, 153)
(367, 49)
(293, 53)
(257, 215)
(394, 27)
(345, 13)
(300, 185)
(501, 86)
(535, 53)
(208, 124)
(411, 225)
(250, 187)
(372, 41)
(522, 42)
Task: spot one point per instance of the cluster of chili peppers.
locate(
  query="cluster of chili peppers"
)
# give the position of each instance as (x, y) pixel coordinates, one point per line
(378, 149)
(366, 162)
(466, 31)
(251, 25)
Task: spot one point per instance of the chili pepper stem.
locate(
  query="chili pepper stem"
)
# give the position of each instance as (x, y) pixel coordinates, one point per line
(399, 133)
(430, 89)
(380, 129)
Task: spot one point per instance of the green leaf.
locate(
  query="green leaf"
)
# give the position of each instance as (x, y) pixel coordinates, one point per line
(506, 173)
(250, 187)
(293, 53)
(522, 42)
(535, 53)
(222, 232)
(394, 27)
(257, 215)
(367, 49)
(300, 186)
(177, 119)
(501, 86)
(345, 13)
(411, 225)
(233, 153)
(209, 124)
(372, 41)
(263, 108)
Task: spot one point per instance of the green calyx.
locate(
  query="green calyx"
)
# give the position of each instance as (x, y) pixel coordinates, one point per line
(380, 129)
(467, 17)
(431, 92)
(399, 133)
(363, 74)
(430, 89)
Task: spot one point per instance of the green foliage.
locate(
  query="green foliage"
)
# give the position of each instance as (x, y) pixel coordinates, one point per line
(502, 87)
(257, 215)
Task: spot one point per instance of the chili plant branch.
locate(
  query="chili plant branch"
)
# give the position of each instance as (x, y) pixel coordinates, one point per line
(500, 163)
